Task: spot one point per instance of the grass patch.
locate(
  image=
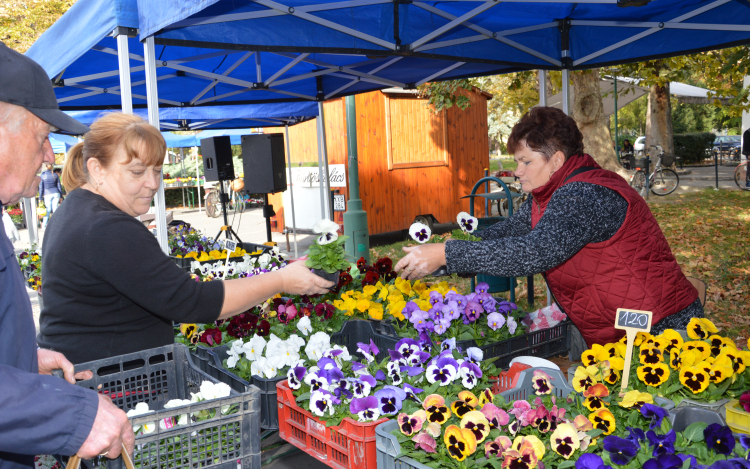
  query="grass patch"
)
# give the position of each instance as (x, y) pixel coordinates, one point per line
(709, 233)
(508, 164)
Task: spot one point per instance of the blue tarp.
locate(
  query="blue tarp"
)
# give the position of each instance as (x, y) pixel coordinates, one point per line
(87, 73)
(234, 134)
(180, 141)
(529, 34)
(220, 117)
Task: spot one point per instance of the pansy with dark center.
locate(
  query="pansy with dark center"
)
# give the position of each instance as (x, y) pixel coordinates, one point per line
(653, 375)
(470, 374)
(540, 419)
(477, 423)
(459, 442)
(665, 461)
(422, 235)
(472, 312)
(322, 401)
(603, 420)
(295, 376)
(461, 408)
(448, 344)
(694, 379)
(394, 373)
(621, 450)
(411, 424)
(366, 408)
(413, 392)
(564, 441)
(719, 438)
(443, 370)
(650, 355)
(341, 389)
(390, 399)
(468, 224)
(663, 444)
(425, 342)
(655, 413)
(362, 385)
(316, 380)
(541, 382)
(496, 416)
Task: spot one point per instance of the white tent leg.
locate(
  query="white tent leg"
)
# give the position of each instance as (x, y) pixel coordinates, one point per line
(542, 87)
(291, 189)
(153, 118)
(123, 57)
(325, 160)
(197, 178)
(566, 91)
(320, 168)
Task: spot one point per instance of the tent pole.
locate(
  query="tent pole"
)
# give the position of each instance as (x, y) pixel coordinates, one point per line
(197, 179)
(152, 99)
(123, 57)
(320, 169)
(542, 74)
(291, 188)
(566, 91)
(325, 160)
(616, 142)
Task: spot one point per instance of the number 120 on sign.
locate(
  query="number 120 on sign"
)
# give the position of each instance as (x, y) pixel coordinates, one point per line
(633, 319)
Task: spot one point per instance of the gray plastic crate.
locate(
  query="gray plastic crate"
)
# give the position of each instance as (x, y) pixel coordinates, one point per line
(525, 386)
(389, 450)
(681, 417)
(159, 375)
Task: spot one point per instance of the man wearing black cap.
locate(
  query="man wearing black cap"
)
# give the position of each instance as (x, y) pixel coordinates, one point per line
(39, 414)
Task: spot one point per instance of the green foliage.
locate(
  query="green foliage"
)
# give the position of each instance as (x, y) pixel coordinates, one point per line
(464, 236)
(330, 257)
(446, 94)
(693, 148)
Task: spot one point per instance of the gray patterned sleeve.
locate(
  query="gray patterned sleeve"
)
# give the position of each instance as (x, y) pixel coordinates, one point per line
(518, 224)
(578, 213)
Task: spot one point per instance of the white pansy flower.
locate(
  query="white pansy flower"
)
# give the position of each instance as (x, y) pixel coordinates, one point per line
(325, 226)
(318, 344)
(304, 326)
(467, 222)
(327, 238)
(341, 357)
(263, 260)
(297, 341)
(232, 359)
(264, 368)
(211, 390)
(254, 348)
(420, 232)
(140, 409)
(281, 353)
(165, 424)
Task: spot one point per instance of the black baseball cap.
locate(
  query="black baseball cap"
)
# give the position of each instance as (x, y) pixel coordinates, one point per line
(24, 83)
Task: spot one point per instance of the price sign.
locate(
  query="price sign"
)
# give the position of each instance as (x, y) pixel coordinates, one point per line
(632, 322)
(339, 204)
(230, 245)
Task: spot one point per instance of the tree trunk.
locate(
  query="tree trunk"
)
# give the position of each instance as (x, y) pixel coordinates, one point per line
(659, 119)
(588, 112)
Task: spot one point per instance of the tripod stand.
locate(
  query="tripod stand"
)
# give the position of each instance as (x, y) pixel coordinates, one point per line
(227, 228)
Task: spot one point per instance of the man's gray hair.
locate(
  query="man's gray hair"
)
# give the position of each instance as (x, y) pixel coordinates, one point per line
(12, 117)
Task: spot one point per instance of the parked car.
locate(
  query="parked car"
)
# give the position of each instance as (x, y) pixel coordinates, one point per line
(639, 145)
(729, 145)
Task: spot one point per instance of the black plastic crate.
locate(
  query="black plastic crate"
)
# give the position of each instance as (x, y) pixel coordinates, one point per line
(356, 331)
(158, 375)
(269, 412)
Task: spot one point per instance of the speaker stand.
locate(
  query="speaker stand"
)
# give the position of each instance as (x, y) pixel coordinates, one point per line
(227, 228)
(268, 212)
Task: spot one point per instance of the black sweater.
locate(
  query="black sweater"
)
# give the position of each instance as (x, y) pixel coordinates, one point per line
(108, 287)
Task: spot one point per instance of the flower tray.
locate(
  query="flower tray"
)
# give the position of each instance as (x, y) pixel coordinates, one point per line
(389, 449)
(507, 379)
(684, 416)
(543, 344)
(350, 445)
(185, 262)
(663, 402)
(213, 360)
(524, 386)
(737, 419)
(155, 377)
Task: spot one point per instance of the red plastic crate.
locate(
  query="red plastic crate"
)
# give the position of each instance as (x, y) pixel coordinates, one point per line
(507, 379)
(350, 445)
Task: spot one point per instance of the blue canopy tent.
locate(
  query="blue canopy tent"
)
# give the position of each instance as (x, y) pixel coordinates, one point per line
(220, 117)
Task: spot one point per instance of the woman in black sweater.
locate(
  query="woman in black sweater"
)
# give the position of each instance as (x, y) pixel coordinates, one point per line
(108, 287)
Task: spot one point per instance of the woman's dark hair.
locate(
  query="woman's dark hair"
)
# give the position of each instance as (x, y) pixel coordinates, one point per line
(546, 130)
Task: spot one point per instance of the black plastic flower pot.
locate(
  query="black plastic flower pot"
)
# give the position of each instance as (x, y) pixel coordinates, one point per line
(334, 277)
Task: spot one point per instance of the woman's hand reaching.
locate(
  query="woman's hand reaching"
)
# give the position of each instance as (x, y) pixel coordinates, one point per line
(421, 260)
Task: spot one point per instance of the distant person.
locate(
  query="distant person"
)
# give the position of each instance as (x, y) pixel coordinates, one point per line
(50, 190)
(627, 154)
(58, 173)
(746, 152)
(627, 147)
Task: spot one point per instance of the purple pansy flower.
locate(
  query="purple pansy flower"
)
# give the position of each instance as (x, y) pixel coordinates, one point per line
(425, 343)
(591, 461)
(655, 413)
(512, 325)
(365, 408)
(719, 438)
(664, 444)
(369, 351)
(636, 435)
(505, 307)
(482, 287)
(394, 372)
(487, 301)
(443, 370)
(390, 399)
(341, 388)
(495, 321)
(362, 386)
(406, 348)
(435, 298)
(295, 375)
(412, 370)
(410, 308)
(451, 310)
(419, 319)
(379, 375)
(322, 401)
(474, 355)
(411, 392)
(470, 374)
(441, 326)
(621, 450)
(448, 344)
(664, 461)
(472, 312)
(358, 368)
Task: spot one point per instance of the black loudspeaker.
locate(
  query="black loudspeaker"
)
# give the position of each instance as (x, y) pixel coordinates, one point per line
(263, 163)
(217, 159)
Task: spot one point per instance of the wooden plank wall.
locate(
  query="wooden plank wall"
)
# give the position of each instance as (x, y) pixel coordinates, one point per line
(394, 198)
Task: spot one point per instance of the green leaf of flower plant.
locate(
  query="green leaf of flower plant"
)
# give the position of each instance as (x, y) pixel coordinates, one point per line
(673, 389)
(594, 433)
(694, 431)
(564, 464)
(303, 397)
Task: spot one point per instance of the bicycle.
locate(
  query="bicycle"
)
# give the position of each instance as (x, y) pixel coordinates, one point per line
(236, 202)
(741, 177)
(662, 181)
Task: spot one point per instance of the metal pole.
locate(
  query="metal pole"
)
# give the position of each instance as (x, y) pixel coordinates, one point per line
(716, 164)
(320, 171)
(321, 114)
(291, 188)
(123, 58)
(542, 74)
(198, 180)
(355, 219)
(487, 190)
(566, 91)
(29, 211)
(152, 100)
(648, 183)
(616, 142)
(182, 174)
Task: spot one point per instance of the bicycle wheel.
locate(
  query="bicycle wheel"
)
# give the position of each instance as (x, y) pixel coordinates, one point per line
(213, 205)
(665, 182)
(639, 182)
(740, 177)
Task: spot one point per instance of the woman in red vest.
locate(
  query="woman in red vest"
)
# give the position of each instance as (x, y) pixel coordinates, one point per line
(590, 234)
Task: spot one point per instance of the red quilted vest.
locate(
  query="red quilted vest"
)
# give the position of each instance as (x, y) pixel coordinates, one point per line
(634, 269)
